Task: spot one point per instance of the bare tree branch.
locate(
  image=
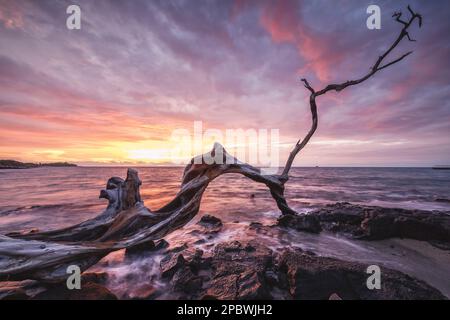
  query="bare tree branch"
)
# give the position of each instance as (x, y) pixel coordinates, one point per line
(409, 38)
(307, 86)
(341, 86)
(397, 16)
(395, 61)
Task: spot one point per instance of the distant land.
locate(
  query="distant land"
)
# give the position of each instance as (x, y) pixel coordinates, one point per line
(441, 167)
(12, 164)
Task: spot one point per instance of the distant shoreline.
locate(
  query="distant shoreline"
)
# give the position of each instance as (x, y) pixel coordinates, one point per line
(13, 164)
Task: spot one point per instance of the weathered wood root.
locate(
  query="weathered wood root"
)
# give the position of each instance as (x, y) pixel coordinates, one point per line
(126, 222)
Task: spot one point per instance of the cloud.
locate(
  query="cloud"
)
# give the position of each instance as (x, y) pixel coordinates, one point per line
(283, 21)
(139, 69)
(11, 16)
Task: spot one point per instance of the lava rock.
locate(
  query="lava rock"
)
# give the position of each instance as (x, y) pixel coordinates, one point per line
(210, 223)
(255, 225)
(88, 291)
(319, 278)
(140, 249)
(185, 280)
(94, 277)
(248, 270)
(234, 270)
(306, 223)
(171, 264)
(442, 200)
(376, 223)
(223, 288)
(239, 271)
(161, 244)
(13, 293)
(145, 292)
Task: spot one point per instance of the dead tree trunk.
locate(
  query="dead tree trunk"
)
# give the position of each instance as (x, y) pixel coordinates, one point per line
(126, 222)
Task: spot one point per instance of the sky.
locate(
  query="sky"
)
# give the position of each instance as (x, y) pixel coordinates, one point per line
(115, 91)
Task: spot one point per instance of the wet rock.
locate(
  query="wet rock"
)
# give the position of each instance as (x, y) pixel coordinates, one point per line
(228, 246)
(197, 262)
(210, 223)
(318, 278)
(249, 270)
(94, 277)
(255, 225)
(272, 278)
(239, 271)
(140, 249)
(234, 270)
(184, 270)
(181, 248)
(185, 280)
(145, 292)
(19, 290)
(441, 244)
(161, 244)
(92, 291)
(13, 293)
(208, 219)
(306, 223)
(442, 200)
(145, 248)
(88, 291)
(171, 264)
(252, 285)
(376, 223)
(224, 288)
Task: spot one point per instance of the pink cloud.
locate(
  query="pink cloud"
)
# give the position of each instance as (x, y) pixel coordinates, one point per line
(282, 21)
(11, 16)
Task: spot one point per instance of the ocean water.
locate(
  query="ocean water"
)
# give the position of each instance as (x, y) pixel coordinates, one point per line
(50, 198)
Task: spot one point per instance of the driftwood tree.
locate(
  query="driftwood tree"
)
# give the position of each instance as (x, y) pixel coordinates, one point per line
(126, 222)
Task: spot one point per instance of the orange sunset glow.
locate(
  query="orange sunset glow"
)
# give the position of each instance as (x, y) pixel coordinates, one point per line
(113, 93)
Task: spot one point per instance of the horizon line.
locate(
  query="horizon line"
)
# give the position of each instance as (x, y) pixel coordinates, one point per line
(306, 166)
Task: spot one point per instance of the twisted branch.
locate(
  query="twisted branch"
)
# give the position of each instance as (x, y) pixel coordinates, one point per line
(341, 86)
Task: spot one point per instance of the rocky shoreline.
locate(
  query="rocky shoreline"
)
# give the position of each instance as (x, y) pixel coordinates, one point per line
(252, 270)
(375, 223)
